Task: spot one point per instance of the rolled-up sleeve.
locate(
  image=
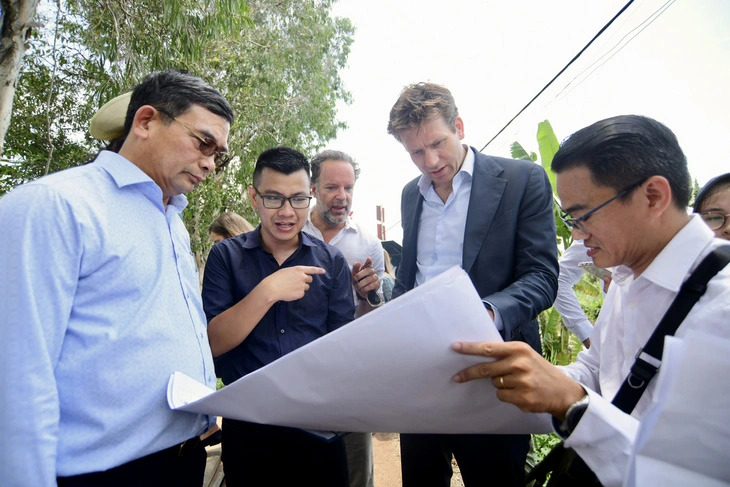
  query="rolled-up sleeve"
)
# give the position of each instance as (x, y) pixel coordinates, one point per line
(566, 301)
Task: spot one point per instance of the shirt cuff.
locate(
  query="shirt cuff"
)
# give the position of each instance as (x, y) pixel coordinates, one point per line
(582, 329)
(497, 317)
(603, 438)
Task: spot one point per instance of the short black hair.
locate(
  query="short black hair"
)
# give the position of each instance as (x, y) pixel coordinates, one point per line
(625, 150)
(280, 159)
(713, 186)
(173, 92)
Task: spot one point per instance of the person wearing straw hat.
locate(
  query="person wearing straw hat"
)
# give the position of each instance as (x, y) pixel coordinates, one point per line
(99, 300)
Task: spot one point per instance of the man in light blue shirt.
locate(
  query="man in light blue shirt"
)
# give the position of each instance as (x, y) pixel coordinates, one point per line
(99, 302)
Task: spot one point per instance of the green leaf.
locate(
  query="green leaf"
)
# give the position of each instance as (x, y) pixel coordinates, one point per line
(518, 152)
(548, 145)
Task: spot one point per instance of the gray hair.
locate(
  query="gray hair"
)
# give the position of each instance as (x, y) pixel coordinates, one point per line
(331, 155)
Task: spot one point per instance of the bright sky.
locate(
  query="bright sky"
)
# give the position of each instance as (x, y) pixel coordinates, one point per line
(495, 56)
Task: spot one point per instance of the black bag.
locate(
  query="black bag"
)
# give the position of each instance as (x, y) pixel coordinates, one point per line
(565, 467)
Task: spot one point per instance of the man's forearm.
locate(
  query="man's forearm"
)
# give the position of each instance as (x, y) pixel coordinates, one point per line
(227, 330)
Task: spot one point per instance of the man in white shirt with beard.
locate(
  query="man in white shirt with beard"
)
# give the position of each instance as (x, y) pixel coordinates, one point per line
(333, 183)
(624, 182)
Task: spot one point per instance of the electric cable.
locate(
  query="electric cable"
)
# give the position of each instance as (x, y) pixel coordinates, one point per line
(560, 72)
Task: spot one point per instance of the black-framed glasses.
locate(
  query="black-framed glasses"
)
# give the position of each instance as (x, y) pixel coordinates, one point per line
(275, 202)
(207, 147)
(577, 223)
(714, 219)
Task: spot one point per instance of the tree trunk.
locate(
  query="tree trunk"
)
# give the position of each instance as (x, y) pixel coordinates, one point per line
(15, 24)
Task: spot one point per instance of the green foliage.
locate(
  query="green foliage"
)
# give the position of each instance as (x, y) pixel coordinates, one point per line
(519, 152)
(276, 62)
(548, 145)
(282, 79)
(540, 446)
(559, 345)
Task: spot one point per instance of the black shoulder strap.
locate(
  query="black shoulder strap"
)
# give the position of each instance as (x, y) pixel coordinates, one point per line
(649, 358)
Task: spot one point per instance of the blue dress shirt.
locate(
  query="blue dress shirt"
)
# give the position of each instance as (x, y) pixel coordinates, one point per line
(237, 265)
(441, 227)
(99, 304)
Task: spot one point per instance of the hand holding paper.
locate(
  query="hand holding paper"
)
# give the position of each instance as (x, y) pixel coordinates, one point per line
(522, 377)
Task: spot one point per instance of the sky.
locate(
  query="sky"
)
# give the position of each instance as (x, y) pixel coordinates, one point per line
(495, 56)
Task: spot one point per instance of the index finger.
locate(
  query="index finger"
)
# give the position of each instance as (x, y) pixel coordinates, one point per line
(308, 269)
(486, 349)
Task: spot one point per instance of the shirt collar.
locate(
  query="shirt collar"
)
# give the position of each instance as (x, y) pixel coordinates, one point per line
(125, 173)
(466, 171)
(670, 268)
(121, 169)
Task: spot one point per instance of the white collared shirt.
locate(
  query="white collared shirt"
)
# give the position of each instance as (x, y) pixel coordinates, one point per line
(441, 225)
(566, 301)
(355, 244)
(631, 311)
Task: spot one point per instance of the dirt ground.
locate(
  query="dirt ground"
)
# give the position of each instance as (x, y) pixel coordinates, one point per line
(386, 459)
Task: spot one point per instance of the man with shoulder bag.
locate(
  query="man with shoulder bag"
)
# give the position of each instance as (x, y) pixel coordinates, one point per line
(624, 188)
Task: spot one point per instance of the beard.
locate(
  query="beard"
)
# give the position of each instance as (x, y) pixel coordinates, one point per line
(332, 220)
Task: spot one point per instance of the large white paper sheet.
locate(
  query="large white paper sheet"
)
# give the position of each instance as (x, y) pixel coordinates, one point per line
(390, 370)
(684, 438)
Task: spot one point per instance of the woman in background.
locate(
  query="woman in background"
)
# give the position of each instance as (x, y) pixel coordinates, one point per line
(227, 225)
(713, 204)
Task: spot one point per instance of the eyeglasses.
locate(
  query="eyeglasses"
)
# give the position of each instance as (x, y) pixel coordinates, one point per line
(207, 147)
(577, 223)
(715, 220)
(276, 202)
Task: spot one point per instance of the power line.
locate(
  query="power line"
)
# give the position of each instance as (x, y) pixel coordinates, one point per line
(613, 51)
(561, 72)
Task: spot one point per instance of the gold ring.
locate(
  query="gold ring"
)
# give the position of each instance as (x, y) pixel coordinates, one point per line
(501, 382)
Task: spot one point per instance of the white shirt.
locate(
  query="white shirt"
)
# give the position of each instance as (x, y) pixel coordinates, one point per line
(441, 227)
(633, 307)
(566, 301)
(355, 244)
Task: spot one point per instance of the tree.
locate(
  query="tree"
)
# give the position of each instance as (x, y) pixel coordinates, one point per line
(282, 78)
(276, 62)
(89, 54)
(16, 23)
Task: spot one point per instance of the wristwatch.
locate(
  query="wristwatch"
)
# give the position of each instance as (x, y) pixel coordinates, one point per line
(372, 298)
(573, 415)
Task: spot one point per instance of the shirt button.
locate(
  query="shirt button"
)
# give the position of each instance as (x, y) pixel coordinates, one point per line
(282, 331)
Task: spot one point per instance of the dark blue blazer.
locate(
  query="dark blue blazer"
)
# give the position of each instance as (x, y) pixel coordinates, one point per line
(510, 249)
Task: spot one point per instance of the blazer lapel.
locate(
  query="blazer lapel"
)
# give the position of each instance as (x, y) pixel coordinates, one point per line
(412, 214)
(486, 193)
